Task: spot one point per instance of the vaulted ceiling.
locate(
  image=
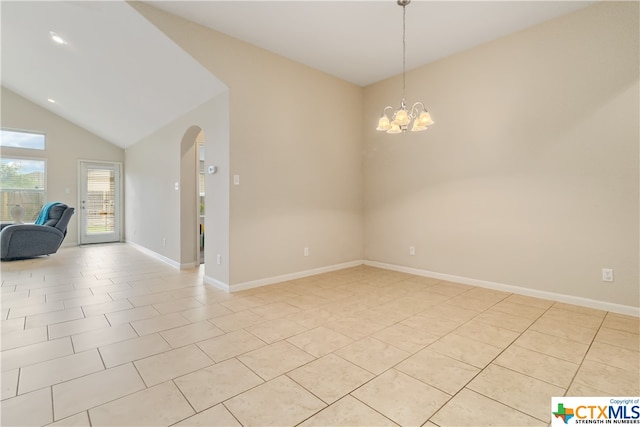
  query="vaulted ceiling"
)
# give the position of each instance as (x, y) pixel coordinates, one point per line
(121, 78)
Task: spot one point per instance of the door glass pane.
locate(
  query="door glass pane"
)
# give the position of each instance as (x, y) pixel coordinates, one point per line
(100, 206)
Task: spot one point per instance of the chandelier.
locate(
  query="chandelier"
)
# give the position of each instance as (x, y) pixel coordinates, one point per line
(417, 116)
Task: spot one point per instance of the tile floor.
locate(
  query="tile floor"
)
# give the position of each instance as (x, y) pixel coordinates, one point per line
(105, 335)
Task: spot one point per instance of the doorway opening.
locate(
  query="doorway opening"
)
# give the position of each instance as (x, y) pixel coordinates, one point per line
(201, 195)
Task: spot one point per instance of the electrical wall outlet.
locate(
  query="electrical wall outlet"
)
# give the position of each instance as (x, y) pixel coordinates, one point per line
(607, 274)
(412, 250)
(219, 260)
(306, 251)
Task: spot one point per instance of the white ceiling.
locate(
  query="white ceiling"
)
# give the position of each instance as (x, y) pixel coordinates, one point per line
(361, 41)
(121, 78)
(118, 77)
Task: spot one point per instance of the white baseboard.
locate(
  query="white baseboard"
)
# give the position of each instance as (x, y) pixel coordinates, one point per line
(216, 283)
(155, 255)
(569, 299)
(292, 276)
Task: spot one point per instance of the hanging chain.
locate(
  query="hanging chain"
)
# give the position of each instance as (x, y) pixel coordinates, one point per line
(404, 48)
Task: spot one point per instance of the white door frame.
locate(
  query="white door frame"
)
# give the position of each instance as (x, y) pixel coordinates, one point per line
(83, 238)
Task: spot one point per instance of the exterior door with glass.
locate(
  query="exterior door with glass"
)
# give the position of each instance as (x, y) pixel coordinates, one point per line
(100, 213)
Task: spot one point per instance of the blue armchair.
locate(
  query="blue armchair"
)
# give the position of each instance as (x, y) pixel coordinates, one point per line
(19, 241)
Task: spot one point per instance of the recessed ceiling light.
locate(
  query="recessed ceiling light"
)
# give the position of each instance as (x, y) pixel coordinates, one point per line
(53, 101)
(56, 38)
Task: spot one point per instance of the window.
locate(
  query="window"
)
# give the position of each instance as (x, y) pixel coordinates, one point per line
(22, 182)
(18, 139)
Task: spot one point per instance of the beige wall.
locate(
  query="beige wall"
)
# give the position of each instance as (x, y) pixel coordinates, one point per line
(530, 175)
(156, 211)
(296, 143)
(66, 143)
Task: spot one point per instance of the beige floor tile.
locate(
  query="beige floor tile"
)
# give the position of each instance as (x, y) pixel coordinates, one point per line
(102, 337)
(488, 334)
(580, 309)
(133, 349)
(73, 327)
(106, 307)
(451, 312)
(214, 384)
(529, 301)
(403, 399)
(189, 334)
(320, 341)
(55, 371)
(504, 320)
(87, 301)
(469, 408)
(373, 355)
(538, 365)
(156, 406)
(218, 416)
(348, 412)
(580, 390)
(517, 390)
(466, 350)
(35, 309)
(439, 371)
(571, 351)
(618, 338)
(177, 305)
(149, 298)
(171, 364)
(330, 377)
(306, 302)
(31, 409)
(275, 359)
(449, 288)
(95, 389)
(380, 315)
(131, 315)
(230, 345)
(559, 328)
(531, 312)
(622, 323)
(275, 310)
(276, 330)
(574, 318)
(433, 325)
(159, 323)
(53, 317)
(236, 321)
(9, 383)
(35, 353)
(206, 312)
(470, 303)
(354, 327)
(612, 380)
(405, 338)
(60, 296)
(24, 337)
(77, 420)
(615, 356)
(312, 318)
(277, 402)
(12, 325)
